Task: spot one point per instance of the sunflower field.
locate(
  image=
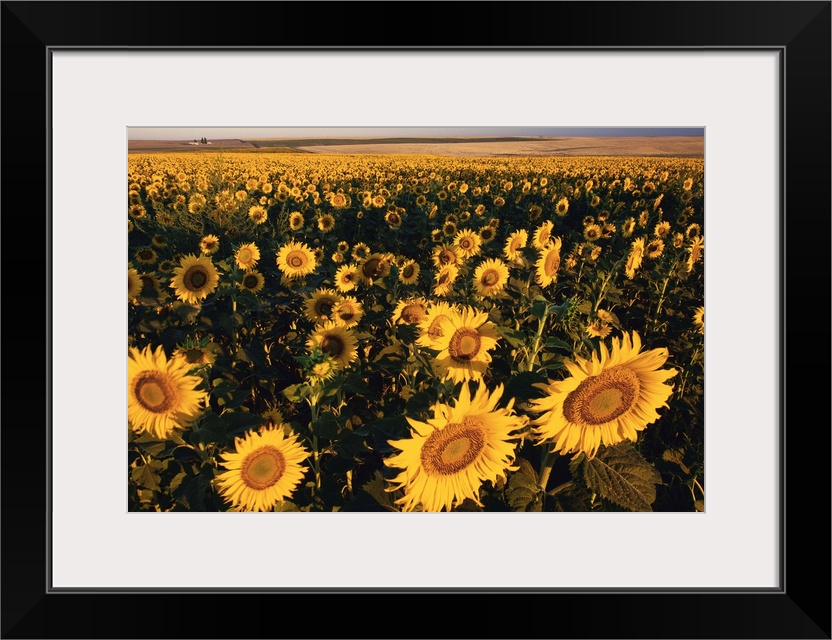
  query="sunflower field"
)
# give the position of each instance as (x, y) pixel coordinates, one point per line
(415, 333)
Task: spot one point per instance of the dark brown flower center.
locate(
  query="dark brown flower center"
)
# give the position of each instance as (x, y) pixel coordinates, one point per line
(195, 278)
(602, 398)
(263, 468)
(464, 345)
(155, 391)
(332, 345)
(454, 447)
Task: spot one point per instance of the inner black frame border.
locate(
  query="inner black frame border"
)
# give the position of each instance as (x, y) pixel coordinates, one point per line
(799, 31)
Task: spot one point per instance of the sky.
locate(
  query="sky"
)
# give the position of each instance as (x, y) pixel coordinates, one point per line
(220, 133)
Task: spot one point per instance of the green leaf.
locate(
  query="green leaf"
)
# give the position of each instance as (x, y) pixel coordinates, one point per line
(326, 426)
(522, 492)
(520, 386)
(622, 476)
(296, 392)
(556, 343)
(238, 422)
(373, 497)
(210, 429)
(515, 338)
(539, 309)
(145, 477)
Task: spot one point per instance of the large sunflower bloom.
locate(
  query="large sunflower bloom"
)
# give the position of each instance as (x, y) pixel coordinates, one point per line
(430, 328)
(635, 258)
(516, 241)
(247, 256)
(607, 399)
(411, 311)
(295, 260)
(346, 278)
(542, 235)
(265, 469)
(319, 306)
(547, 265)
(336, 341)
(161, 397)
(468, 242)
(466, 338)
(194, 279)
(450, 456)
(445, 280)
(134, 284)
(490, 277)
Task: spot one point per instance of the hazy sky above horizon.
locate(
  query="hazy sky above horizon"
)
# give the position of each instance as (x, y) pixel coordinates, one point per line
(220, 133)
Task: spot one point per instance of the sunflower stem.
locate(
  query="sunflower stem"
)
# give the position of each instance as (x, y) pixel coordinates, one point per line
(659, 305)
(533, 352)
(546, 469)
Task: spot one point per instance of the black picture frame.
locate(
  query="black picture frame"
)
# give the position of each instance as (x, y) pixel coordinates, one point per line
(800, 608)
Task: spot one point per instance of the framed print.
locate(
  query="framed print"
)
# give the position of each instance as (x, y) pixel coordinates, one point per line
(143, 519)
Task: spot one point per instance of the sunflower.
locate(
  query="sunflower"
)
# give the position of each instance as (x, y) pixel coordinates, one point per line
(295, 260)
(516, 241)
(628, 227)
(487, 234)
(159, 241)
(194, 279)
(430, 328)
(464, 344)
(654, 248)
(336, 341)
(264, 469)
(449, 457)
(409, 272)
(693, 230)
(136, 211)
(252, 281)
(150, 281)
(195, 353)
(592, 232)
(393, 219)
(662, 229)
(348, 312)
(346, 278)
(446, 254)
(695, 249)
(296, 221)
(322, 371)
(449, 229)
(678, 240)
(146, 256)
(548, 263)
(134, 284)
(541, 235)
(635, 258)
(209, 244)
(247, 256)
(375, 266)
(490, 277)
(161, 397)
(445, 280)
(699, 319)
(562, 207)
(320, 304)
(606, 400)
(468, 242)
(258, 214)
(411, 311)
(687, 185)
(598, 329)
(326, 222)
(360, 252)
